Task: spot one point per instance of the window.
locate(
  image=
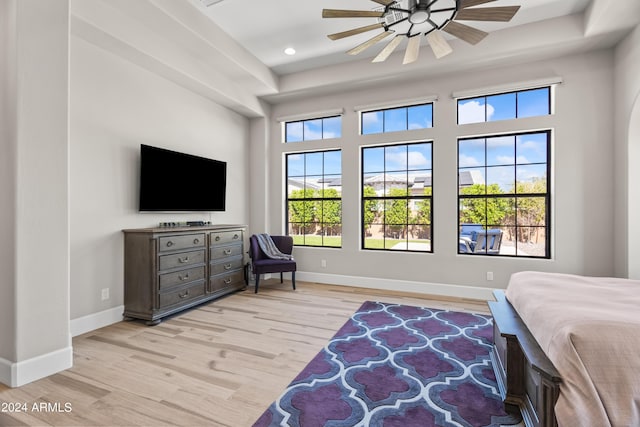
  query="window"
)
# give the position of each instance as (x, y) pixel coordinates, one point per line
(397, 197)
(309, 130)
(503, 193)
(397, 119)
(512, 105)
(314, 198)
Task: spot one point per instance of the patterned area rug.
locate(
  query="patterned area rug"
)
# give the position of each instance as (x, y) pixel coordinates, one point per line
(397, 366)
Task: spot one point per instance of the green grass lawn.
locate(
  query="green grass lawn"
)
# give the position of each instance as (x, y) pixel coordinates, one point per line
(313, 240)
(336, 241)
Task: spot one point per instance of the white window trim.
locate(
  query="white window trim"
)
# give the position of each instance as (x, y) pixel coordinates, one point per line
(508, 87)
(395, 104)
(317, 115)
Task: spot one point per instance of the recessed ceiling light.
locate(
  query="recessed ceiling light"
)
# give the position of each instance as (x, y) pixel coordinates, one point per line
(290, 51)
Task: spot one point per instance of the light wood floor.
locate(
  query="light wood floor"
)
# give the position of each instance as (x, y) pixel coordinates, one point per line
(220, 364)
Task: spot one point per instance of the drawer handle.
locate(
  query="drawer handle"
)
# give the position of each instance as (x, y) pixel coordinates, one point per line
(183, 278)
(227, 281)
(169, 243)
(186, 294)
(196, 241)
(227, 251)
(235, 237)
(217, 238)
(227, 267)
(183, 260)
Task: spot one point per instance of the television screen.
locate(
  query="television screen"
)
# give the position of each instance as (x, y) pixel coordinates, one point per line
(173, 181)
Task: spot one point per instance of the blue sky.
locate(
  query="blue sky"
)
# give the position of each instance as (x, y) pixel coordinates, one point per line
(529, 103)
(501, 160)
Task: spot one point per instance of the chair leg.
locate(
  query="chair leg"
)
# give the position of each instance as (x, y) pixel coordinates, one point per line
(257, 282)
(281, 280)
(293, 279)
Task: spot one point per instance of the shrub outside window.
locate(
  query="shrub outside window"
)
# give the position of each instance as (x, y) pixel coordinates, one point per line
(397, 197)
(314, 198)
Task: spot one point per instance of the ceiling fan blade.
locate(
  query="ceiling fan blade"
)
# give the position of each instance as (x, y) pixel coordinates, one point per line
(469, 3)
(388, 49)
(464, 32)
(355, 31)
(356, 50)
(338, 13)
(384, 2)
(438, 44)
(413, 48)
(498, 14)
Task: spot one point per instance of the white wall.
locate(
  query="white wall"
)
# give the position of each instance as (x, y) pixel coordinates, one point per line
(582, 158)
(627, 155)
(7, 179)
(36, 63)
(115, 107)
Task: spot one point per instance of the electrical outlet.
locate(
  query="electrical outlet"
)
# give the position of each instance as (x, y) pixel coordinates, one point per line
(105, 294)
(489, 275)
(323, 263)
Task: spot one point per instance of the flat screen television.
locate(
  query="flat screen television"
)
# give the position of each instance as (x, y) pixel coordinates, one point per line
(178, 182)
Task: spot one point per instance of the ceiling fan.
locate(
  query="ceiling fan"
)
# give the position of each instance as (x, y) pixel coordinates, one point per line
(411, 19)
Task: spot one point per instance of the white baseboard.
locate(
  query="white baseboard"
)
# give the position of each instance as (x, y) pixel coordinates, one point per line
(94, 321)
(438, 289)
(21, 373)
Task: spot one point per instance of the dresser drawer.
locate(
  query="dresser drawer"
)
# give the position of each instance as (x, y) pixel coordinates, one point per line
(225, 237)
(181, 277)
(182, 295)
(226, 280)
(183, 259)
(220, 252)
(225, 267)
(186, 241)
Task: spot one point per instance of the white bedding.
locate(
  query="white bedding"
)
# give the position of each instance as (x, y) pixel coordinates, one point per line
(589, 327)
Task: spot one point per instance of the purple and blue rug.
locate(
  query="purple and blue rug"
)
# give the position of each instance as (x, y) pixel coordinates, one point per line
(397, 366)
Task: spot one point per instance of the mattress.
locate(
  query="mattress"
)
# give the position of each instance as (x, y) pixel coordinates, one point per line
(589, 327)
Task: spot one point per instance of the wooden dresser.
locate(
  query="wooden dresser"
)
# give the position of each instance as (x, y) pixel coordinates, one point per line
(169, 269)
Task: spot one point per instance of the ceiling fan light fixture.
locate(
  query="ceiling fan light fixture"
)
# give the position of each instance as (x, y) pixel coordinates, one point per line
(410, 19)
(419, 17)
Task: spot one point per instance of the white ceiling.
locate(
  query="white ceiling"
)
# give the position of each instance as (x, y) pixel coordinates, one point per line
(232, 52)
(267, 27)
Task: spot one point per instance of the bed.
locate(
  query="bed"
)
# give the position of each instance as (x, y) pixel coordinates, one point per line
(567, 349)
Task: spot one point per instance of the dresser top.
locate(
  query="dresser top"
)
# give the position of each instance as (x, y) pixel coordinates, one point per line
(211, 227)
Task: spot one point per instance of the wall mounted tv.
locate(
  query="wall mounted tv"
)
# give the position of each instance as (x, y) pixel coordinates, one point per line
(178, 182)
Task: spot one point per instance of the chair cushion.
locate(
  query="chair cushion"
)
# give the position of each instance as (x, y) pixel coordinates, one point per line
(269, 265)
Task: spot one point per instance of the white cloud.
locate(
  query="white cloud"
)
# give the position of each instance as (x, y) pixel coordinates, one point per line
(310, 134)
(473, 112)
(505, 160)
(468, 161)
(500, 141)
(416, 160)
(509, 160)
(370, 119)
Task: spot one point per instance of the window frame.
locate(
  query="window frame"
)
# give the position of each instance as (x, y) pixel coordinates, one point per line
(322, 199)
(384, 110)
(383, 198)
(322, 120)
(516, 92)
(513, 195)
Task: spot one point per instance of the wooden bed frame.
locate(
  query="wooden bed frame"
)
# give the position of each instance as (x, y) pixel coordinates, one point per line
(527, 379)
